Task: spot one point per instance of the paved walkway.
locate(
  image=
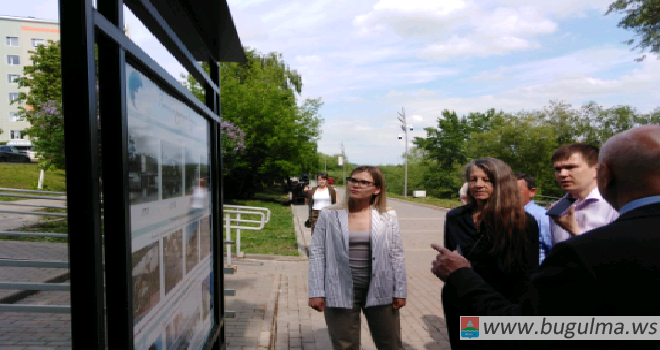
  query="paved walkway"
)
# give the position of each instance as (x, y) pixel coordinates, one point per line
(271, 301)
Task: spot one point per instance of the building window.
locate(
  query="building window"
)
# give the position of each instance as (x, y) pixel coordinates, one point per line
(14, 60)
(13, 116)
(15, 134)
(11, 78)
(37, 42)
(12, 41)
(13, 96)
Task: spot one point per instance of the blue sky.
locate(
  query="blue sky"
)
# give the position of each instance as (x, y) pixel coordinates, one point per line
(367, 59)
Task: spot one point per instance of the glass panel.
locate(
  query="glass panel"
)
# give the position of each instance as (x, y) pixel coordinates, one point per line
(168, 152)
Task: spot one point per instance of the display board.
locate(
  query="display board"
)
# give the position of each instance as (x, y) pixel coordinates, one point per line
(169, 169)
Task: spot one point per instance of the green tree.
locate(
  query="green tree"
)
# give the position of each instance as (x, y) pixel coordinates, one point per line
(643, 18)
(261, 97)
(41, 104)
(528, 152)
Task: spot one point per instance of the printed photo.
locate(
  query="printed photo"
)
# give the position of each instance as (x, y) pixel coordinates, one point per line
(146, 280)
(143, 181)
(173, 259)
(204, 237)
(182, 330)
(206, 298)
(192, 171)
(172, 157)
(192, 250)
(157, 345)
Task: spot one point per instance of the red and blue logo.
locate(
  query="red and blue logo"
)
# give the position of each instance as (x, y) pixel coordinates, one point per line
(469, 327)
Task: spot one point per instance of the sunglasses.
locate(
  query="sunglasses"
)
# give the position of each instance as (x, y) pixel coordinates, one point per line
(361, 183)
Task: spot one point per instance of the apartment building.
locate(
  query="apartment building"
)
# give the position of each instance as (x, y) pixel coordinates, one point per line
(19, 36)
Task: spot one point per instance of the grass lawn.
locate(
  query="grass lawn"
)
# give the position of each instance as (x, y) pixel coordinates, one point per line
(445, 203)
(48, 224)
(26, 175)
(278, 237)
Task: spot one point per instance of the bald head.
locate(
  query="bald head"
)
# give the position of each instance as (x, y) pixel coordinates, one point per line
(632, 159)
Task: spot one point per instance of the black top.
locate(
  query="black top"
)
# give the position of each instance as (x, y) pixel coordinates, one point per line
(461, 230)
(608, 271)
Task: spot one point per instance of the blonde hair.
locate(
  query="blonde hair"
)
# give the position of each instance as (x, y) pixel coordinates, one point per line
(377, 200)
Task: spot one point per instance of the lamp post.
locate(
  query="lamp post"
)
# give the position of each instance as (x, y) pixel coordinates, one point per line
(405, 127)
(343, 155)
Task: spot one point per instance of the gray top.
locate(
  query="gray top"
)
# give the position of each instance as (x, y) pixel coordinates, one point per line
(359, 255)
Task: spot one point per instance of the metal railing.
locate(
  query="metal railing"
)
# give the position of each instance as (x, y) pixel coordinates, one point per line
(264, 213)
(242, 209)
(231, 223)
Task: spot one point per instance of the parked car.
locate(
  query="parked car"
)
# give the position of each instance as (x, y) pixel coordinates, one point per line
(11, 154)
(28, 150)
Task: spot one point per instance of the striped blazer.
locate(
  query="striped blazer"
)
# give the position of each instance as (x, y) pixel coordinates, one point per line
(329, 273)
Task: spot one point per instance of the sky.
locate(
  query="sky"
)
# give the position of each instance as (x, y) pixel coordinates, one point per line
(369, 60)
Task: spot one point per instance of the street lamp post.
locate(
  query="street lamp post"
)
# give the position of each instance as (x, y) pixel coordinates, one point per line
(343, 154)
(405, 127)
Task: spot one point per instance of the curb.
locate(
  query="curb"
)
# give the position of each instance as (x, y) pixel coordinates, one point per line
(435, 207)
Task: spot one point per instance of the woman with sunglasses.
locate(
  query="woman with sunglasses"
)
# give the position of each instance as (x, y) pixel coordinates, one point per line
(356, 264)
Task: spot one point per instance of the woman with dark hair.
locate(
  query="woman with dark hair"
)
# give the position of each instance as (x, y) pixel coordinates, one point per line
(319, 198)
(495, 233)
(357, 265)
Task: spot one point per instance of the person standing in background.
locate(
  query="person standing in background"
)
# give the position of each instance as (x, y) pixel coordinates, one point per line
(320, 197)
(527, 186)
(463, 195)
(575, 171)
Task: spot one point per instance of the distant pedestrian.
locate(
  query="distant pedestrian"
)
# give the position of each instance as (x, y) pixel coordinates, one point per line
(495, 234)
(356, 264)
(527, 186)
(319, 198)
(462, 194)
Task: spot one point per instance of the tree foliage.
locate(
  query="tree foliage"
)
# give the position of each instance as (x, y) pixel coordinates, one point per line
(643, 18)
(42, 104)
(524, 140)
(261, 97)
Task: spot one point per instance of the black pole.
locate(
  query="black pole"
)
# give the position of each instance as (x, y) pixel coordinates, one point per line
(82, 178)
(114, 151)
(213, 102)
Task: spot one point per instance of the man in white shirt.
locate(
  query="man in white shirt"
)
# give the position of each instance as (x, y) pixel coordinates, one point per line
(575, 171)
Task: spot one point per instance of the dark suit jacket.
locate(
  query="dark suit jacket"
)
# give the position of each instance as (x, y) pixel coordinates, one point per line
(609, 271)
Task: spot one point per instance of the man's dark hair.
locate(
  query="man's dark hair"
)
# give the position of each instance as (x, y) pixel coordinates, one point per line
(529, 180)
(589, 153)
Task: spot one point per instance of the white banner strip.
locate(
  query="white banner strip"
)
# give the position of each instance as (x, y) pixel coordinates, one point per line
(560, 328)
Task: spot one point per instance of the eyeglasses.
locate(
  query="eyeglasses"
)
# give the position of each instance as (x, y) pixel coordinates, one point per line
(359, 183)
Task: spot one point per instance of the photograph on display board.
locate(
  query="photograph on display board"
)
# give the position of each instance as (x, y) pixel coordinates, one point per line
(146, 280)
(173, 259)
(172, 168)
(206, 298)
(143, 181)
(180, 332)
(204, 237)
(157, 345)
(192, 249)
(192, 171)
(173, 329)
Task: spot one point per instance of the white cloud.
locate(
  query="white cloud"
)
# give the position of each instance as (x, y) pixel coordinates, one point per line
(308, 59)
(537, 86)
(417, 118)
(476, 46)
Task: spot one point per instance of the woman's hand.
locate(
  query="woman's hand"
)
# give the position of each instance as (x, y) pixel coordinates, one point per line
(318, 304)
(398, 303)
